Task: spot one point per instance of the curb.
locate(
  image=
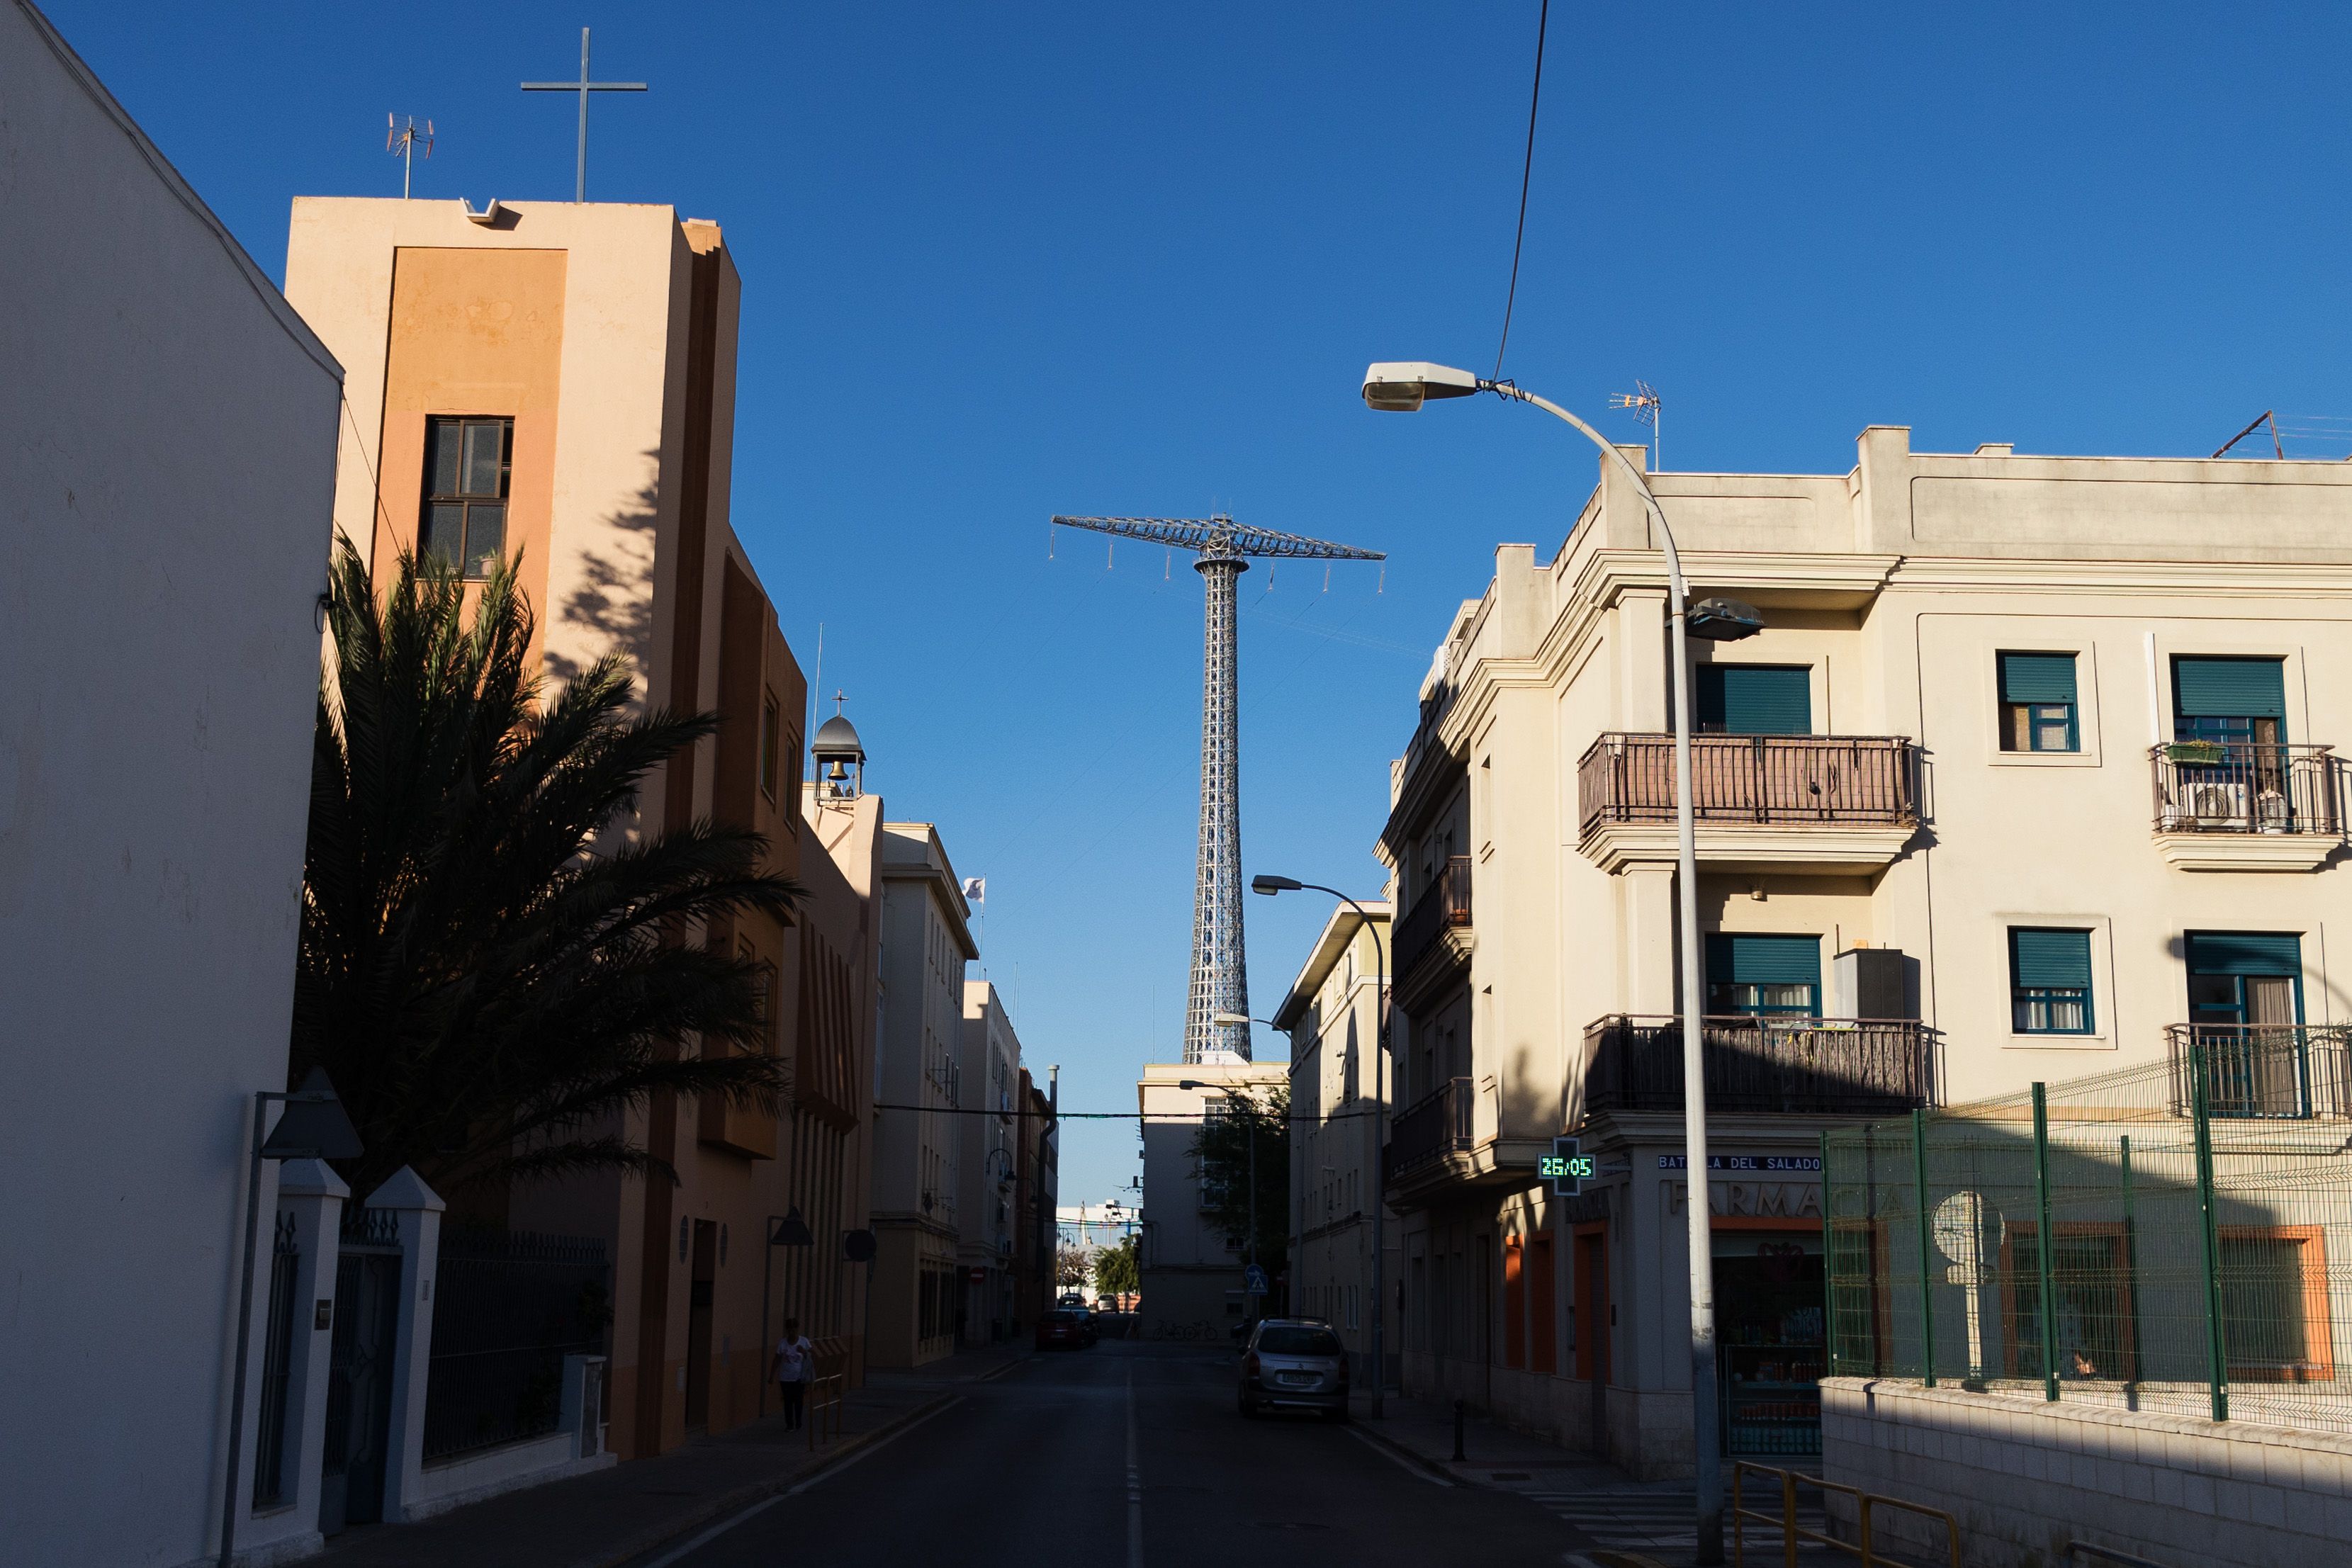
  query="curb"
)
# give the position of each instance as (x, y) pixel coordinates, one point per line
(1373, 1434)
(678, 1526)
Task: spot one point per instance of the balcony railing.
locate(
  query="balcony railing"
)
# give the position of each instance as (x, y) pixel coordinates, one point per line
(1430, 1128)
(1842, 780)
(1799, 1065)
(2263, 1070)
(2238, 787)
(1446, 904)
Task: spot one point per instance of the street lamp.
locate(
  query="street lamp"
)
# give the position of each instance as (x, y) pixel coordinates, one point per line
(1402, 387)
(1269, 885)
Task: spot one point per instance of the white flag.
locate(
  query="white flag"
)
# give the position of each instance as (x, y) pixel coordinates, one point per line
(975, 888)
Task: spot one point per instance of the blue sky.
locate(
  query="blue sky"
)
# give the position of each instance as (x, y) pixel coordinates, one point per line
(1003, 261)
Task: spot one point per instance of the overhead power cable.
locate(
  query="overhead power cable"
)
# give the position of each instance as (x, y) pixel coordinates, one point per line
(1527, 174)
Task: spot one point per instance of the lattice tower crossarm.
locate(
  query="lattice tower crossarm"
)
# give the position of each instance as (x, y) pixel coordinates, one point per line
(1220, 979)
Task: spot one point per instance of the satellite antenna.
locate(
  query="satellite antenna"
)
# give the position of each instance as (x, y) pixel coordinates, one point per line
(1219, 984)
(403, 141)
(1646, 405)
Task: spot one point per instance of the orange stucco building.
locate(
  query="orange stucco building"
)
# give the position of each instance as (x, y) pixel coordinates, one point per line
(555, 381)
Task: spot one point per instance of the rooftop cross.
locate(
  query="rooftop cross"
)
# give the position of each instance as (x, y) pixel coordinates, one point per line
(584, 87)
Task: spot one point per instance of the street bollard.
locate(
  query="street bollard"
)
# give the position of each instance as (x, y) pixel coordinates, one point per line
(1457, 1430)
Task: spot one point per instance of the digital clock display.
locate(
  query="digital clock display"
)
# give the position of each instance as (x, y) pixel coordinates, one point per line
(1566, 1167)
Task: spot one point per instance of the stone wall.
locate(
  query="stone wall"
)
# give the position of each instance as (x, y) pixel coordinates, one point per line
(2023, 1477)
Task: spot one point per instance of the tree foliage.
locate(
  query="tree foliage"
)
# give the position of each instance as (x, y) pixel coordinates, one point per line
(1071, 1265)
(1243, 1120)
(1117, 1270)
(497, 961)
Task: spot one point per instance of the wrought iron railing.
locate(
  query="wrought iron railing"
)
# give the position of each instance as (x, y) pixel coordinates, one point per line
(2265, 1070)
(1833, 780)
(1803, 1065)
(2236, 787)
(1443, 905)
(508, 1307)
(1432, 1126)
(277, 1368)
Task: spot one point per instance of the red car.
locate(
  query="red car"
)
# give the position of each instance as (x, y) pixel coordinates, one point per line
(1062, 1330)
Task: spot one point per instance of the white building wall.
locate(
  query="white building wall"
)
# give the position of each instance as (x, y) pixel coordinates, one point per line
(166, 483)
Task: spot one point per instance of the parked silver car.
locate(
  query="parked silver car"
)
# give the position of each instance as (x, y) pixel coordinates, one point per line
(1294, 1364)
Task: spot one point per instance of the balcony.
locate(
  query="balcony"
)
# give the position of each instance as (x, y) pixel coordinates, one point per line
(1833, 804)
(1438, 923)
(2263, 1071)
(1431, 1128)
(1811, 1067)
(2240, 806)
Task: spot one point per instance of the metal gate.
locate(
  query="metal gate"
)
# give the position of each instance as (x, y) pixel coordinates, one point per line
(359, 1372)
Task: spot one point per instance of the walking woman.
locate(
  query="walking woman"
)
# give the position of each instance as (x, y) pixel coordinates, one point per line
(796, 1365)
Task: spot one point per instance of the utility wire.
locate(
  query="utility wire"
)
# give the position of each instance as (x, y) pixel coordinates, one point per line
(1527, 174)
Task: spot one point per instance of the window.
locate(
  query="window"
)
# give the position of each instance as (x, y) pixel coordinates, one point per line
(2091, 1286)
(1764, 977)
(2049, 980)
(2245, 997)
(2037, 703)
(1515, 1304)
(2275, 1305)
(769, 729)
(467, 464)
(1754, 699)
(2233, 701)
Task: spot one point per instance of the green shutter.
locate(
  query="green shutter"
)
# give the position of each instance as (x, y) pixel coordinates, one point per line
(1756, 699)
(2037, 677)
(1745, 960)
(2056, 960)
(2229, 688)
(2244, 952)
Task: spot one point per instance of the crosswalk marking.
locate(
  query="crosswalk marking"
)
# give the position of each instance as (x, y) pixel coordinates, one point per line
(1645, 1518)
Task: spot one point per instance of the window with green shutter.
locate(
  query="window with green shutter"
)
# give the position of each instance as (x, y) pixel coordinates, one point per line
(2232, 700)
(1754, 699)
(1764, 976)
(2049, 980)
(2038, 710)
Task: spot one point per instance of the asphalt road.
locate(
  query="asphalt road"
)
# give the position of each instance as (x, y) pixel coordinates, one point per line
(1119, 1456)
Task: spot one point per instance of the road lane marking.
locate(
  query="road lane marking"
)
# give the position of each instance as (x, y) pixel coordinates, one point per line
(723, 1526)
(1134, 1482)
(1393, 1458)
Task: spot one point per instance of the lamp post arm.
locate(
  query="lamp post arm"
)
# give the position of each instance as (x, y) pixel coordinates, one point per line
(1703, 1389)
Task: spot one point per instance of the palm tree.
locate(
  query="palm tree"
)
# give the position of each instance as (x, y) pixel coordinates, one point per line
(497, 958)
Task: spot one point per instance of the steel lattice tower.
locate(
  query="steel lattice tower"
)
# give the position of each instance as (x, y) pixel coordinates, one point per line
(1220, 982)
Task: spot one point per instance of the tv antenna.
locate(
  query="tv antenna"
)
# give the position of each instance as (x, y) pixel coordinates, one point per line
(2278, 449)
(1646, 405)
(1219, 983)
(403, 141)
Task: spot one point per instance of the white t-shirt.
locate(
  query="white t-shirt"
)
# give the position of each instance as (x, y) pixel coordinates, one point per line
(792, 1356)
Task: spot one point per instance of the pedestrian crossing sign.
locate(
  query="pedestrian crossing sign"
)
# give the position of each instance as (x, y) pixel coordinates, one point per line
(1566, 1167)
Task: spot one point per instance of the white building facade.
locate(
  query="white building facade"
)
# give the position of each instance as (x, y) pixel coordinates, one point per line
(988, 1069)
(1194, 1274)
(2030, 768)
(168, 468)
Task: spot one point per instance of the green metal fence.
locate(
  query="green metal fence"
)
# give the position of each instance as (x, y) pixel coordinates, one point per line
(2176, 1237)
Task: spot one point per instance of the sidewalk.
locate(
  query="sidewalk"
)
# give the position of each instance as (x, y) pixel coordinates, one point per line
(606, 1518)
(1633, 1524)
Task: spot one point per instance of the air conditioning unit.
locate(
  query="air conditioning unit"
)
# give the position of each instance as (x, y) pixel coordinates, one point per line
(2217, 805)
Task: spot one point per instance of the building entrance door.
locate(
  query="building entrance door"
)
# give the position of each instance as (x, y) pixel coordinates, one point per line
(1769, 1331)
(1592, 1327)
(359, 1383)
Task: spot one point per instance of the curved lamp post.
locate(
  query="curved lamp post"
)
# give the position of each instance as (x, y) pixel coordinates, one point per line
(1270, 886)
(1401, 387)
